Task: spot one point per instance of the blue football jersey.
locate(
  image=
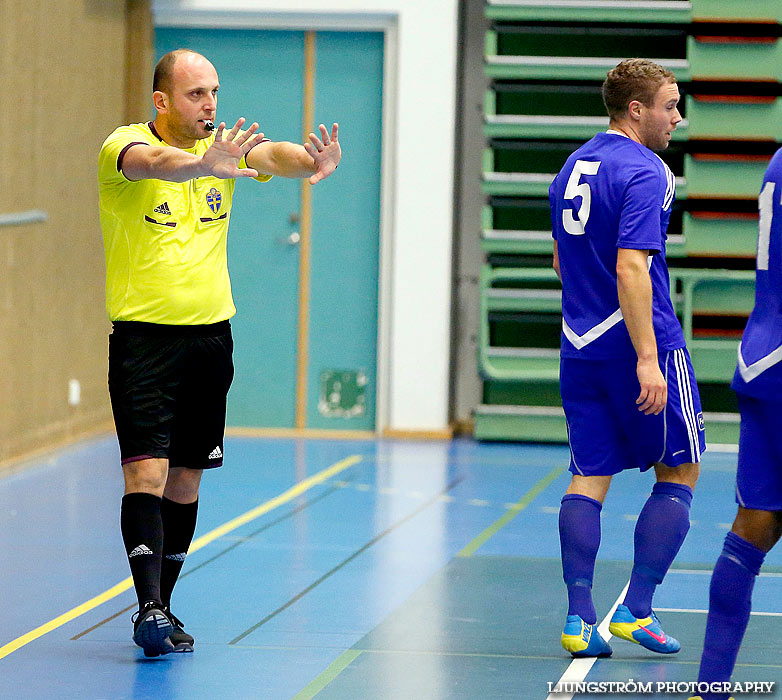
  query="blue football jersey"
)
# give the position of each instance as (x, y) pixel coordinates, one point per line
(611, 193)
(759, 371)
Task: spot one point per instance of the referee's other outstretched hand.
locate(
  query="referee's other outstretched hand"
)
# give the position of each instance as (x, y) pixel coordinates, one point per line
(654, 388)
(223, 156)
(325, 151)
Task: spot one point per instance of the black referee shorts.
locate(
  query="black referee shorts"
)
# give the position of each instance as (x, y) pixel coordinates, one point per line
(168, 387)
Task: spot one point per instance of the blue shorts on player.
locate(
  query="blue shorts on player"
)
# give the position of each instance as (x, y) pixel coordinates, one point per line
(607, 432)
(759, 475)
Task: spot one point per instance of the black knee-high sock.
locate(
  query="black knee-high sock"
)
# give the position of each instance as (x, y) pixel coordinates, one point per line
(142, 532)
(179, 522)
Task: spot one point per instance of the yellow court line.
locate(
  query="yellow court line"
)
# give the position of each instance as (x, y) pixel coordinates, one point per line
(337, 666)
(513, 511)
(275, 502)
(197, 544)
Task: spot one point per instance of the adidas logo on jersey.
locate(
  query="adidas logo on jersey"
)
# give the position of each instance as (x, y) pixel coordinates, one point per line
(216, 453)
(141, 549)
(162, 209)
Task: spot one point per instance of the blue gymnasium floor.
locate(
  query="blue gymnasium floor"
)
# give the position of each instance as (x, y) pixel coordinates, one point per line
(362, 570)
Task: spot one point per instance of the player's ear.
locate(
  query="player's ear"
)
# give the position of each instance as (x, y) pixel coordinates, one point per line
(634, 109)
(160, 100)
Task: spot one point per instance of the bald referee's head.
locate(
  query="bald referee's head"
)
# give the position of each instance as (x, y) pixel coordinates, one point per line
(164, 70)
(185, 96)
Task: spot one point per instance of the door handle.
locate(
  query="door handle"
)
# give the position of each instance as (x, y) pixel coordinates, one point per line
(293, 239)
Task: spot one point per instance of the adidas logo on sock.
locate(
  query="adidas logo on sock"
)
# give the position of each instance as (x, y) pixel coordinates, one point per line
(141, 549)
(177, 557)
(216, 453)
(162, 209)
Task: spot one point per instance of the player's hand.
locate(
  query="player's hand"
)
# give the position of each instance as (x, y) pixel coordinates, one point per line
(654, 388)
(222, 157)
(325, 151)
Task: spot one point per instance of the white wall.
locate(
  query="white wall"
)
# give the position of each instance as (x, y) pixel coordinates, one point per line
(420, 94)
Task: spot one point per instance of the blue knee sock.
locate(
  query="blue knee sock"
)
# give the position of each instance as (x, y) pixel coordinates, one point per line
(659, 533)
(730, 602)
(579, 538)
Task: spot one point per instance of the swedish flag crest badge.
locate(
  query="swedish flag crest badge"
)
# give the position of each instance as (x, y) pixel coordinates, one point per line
(214, 199)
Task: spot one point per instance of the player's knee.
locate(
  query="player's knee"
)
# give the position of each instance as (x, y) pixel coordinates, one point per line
(595, 487)
(761, 528)
(686, 474)
(690, 473)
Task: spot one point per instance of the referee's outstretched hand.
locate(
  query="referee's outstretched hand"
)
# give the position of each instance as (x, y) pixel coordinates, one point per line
(325, 151)
(223, 156)
(654, 388)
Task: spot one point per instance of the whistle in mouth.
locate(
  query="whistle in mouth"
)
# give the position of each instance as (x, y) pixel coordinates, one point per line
(209, 125)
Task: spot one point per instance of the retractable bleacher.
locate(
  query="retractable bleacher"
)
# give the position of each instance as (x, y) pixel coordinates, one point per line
(546, 61)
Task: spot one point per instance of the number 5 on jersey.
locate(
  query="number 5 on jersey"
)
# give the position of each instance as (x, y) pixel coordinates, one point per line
(575, 226)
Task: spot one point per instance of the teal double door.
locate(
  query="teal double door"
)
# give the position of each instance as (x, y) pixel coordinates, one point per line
(305, 331)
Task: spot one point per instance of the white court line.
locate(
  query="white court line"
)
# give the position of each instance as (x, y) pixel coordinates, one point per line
(717, 447)
(692, 610)
(705, 572)
(578, 669)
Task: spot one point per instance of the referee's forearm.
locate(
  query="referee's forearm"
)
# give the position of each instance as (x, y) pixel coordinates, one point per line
(170, 164)
(176, 166)
(291, 160)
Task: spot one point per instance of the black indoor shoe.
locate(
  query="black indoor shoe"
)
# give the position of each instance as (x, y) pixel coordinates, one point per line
(182, 641)
(152, 628)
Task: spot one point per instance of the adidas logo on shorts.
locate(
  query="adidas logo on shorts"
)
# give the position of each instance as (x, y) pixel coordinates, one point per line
(141, 549)
(216, 453)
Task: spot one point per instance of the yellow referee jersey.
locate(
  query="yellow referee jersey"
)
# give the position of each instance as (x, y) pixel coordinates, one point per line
(165, 242)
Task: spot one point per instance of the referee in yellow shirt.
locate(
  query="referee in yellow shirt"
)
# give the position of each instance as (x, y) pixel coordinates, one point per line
(166, 189)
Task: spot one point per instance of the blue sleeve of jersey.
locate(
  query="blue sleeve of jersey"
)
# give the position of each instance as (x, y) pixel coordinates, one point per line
(639, 222)
(552, 200)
